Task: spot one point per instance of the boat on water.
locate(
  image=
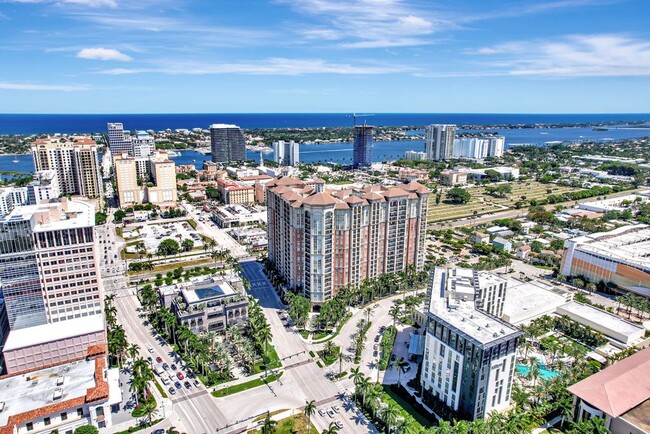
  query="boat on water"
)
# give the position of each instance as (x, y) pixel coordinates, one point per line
(173, 153)
(15, 160)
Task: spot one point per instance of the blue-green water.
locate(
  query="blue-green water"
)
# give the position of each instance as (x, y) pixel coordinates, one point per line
(543, 371)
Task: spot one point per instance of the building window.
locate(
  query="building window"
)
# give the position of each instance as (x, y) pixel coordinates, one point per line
(80, 412)
(64, 416)
(29, 426)
(99, 411)
(47, 421)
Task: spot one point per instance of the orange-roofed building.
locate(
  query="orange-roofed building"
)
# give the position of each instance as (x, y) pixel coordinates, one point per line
(322, 241)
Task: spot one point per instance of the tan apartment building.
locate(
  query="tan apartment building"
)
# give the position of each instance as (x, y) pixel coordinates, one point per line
(74, 159)
(151, 179)
(234, 193)
(321, 241)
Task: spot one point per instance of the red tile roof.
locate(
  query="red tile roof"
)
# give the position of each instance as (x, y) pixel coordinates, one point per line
(618, 388)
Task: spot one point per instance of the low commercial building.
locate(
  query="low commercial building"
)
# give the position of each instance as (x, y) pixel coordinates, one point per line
(479, 237)
(613, 204)
(408, 175)
(60, 398)
(622, 333)
(502, 243)
(619, 394)
(526, 301)
(469, 356)
(618, 257)
(50, 344)
(237, 215)
(207, 304)
(453, 177)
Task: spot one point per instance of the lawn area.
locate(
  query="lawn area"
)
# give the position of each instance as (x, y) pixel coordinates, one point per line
(230, 390)
(291, 425)
(422, 419)
(137, 412)
(328, 359)
(521, 191)
(273, 359)
(140, 427)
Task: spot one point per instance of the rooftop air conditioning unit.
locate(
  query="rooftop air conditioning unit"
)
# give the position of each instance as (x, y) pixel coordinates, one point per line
(58, 393)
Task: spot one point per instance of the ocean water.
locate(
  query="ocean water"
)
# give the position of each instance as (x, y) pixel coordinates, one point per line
(80, 123)
(335, 153)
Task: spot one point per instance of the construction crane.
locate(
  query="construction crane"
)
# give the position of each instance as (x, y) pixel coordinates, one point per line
(360, 115)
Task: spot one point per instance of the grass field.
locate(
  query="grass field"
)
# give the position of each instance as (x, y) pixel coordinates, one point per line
(291, 425)
(483, 203)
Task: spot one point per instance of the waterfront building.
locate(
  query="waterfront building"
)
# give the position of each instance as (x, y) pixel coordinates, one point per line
(143, 144)
(619, 394)
(469, 356)
(227, 143)
(439, 142)
(478, 148)
(321, 241)
(62, 397)
(118, 141)
(415, 155)
(362, 149)
(151, 179)
(286, 153)
(74, 159)
(618, 258)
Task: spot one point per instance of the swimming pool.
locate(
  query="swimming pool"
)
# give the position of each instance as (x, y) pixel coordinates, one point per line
(543, 371)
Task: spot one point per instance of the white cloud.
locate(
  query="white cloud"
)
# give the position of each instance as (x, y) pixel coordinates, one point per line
(604, 55)
(90, 3)
(43, 87)
(272, 66)
(99, 53)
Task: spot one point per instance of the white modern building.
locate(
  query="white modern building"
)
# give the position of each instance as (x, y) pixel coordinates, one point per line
(286, 153)
(143, 144)
(415, 155)
(439, 142)
(478, 148)
(469, 356)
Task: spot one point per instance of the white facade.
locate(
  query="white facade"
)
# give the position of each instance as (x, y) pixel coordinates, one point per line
(439, 141)
(286, 153)
(415, 155)
(143, 144)
(478, 148)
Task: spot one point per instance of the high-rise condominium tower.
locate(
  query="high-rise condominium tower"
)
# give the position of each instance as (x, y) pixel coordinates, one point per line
(439, 142)
(74, 159)
(286, 153)
(362, 151)
(323, 241)
(117, 140)
(227, 143)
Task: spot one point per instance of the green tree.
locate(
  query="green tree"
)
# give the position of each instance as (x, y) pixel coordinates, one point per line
(168, 247)
(187, 244)
(310, 409)
(100, 218)
(458, 195)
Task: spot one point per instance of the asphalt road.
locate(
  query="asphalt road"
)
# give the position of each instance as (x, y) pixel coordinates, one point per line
(194, 410)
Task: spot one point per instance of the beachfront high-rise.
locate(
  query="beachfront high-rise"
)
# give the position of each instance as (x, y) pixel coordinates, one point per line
(321, 241)
(469, 356)
(227, 143)
(439, 142)
(118, 142)
(362, 150)
(50, 283)
(74, 159)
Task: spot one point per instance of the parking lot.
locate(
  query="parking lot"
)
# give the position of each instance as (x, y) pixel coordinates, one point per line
(151, 235)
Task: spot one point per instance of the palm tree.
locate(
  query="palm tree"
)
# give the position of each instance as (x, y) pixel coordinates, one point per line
(341, 358)
(133, 351)
(172, 430)
(149, 410)
(331, 429)
(369, 311)
(269, 424)
(394, 312)
(399, 364)
(391, 414)
(310, 409)
(356, 375)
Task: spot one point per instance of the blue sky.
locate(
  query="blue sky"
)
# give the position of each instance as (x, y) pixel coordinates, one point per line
(492, 56)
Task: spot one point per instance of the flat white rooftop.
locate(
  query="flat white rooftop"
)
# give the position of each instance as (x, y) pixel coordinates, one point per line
(604, 319)
(200, 293)
(629, 244)
(29, 336)
(33, 390)
(223, 126)
(76, 214)
(527, 300)
(463, 316)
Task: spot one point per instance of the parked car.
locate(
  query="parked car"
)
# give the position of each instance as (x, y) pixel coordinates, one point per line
(338, 424)
(321, 412)
(165, 366)
(174, 366)
(336, 408)
(330, 413)
(187, 385)
(172, 391)
(180, 375)
(159, 359)
(178, 384)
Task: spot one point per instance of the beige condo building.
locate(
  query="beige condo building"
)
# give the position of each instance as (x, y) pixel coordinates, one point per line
(75, 161)
(322, 241)
(151, 179)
